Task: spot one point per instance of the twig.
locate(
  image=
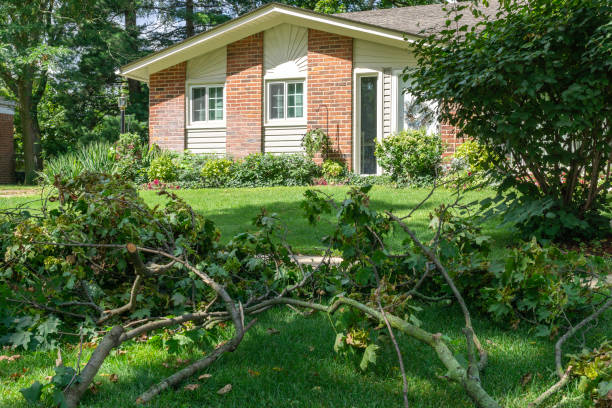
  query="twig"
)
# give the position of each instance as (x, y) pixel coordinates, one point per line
(573, 331)
(558, 385)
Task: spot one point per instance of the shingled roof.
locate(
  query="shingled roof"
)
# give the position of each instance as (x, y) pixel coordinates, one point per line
(417, 20)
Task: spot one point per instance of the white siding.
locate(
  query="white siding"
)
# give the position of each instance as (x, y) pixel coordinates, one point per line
(206, 140)
(284, 139)
(387, 104)
(285, 51)
(376, 56)
(210, 67)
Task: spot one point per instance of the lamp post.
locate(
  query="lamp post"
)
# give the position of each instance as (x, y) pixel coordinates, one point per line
(122, 102)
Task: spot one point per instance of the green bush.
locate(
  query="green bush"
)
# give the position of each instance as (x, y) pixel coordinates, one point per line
(96, 157)
(216, 172)
(477, 157)
(262, 170)
(132, 153)
(411, 156)
(189, 167)
(163, 168)
(333, 170)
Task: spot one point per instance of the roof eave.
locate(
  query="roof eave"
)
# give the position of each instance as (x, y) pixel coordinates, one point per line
(222, 33)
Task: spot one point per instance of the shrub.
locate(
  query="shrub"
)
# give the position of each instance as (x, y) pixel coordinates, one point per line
(163, 168)
(260, 170)
(411, 156)
(131, 153)
(189, 167)
(554, 123)
(94, 158)
(476, 156)
(333, 170)
(216, 172)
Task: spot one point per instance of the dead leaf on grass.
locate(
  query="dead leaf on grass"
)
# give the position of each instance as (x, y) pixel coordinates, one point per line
(271, 330)
(204, 377)
(182, 361)
(192, 387)
(277, 368)
(526, 379)
(10, 358)
(254, 373)
(113, 378)
(225, 389)
(120, 352)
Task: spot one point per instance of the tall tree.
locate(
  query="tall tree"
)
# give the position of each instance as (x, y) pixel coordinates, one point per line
(30, 34)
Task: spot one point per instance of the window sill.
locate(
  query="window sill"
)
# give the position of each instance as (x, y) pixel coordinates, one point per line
(285, 123)
(206, 125)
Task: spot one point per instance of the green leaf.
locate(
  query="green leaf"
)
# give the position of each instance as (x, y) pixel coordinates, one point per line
(369, 356)
(58, 398)
(339, 343)
(32, 393)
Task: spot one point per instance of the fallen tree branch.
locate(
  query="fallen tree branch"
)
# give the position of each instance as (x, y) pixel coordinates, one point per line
(574, 330)
(556, 387)
(188, 371)
(75, 392)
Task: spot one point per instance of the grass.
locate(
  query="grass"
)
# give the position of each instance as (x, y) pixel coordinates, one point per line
(234, 209)
(298, 367)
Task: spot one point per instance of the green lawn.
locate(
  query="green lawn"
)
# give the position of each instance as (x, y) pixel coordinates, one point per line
(298, 368)
(234, 209)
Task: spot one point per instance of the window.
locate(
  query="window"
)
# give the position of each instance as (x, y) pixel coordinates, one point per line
(412, 114)
(206, 103)
(285, 100)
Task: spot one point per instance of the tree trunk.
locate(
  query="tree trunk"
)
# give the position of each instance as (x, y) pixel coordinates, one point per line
(30, 131)
(189, 27)
(131, 29)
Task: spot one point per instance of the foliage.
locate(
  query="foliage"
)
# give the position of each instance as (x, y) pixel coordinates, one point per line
(189, 167)
(63, 378)
(96, 157)
(264, 170)
(410, 156)
(163, 168)
(476, 156)
(594, 368)
(59, 285)
(333, 170)
(216, 172)
(316, 141)
(131, 153)
(541, 99)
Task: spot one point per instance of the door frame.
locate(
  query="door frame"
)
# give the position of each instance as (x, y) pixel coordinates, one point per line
(359, 73)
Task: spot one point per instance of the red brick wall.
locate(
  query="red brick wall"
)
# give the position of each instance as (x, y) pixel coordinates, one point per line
(7, 162)
(448, 134)
(167, 108)
(329, 89)
(244, 99)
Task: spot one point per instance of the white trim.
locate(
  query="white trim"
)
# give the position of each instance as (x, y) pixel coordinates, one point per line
(254, 23)
(204, 124)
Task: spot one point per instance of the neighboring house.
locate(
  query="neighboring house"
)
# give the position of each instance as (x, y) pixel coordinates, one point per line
(7, 157)
(259, 82)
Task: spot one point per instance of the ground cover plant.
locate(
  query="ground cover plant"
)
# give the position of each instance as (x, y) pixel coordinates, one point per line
(174, 253)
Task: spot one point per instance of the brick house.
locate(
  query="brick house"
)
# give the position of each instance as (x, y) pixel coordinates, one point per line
(7, 159)
(259, 82)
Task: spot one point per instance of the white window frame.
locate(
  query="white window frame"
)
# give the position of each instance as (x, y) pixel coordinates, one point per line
(397, 106)
(285, 120)
(217, 123)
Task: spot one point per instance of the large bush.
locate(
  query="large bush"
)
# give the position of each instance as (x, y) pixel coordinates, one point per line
(410, 156)
(533, 87)
(261, 170)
